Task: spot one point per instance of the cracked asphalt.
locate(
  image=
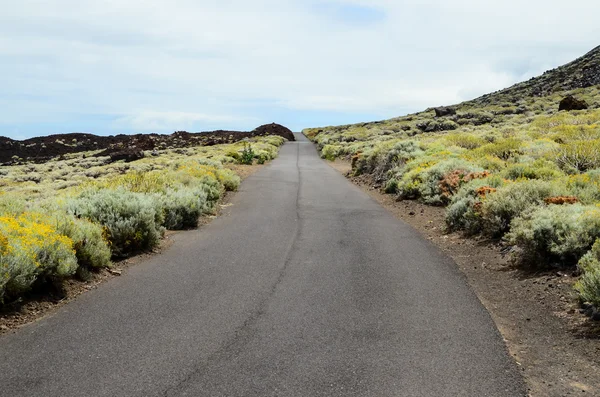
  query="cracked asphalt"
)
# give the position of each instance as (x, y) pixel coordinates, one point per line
(307, 287)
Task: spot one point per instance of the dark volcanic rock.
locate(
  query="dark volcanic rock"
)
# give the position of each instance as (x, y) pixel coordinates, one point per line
(433, 126)
(128, 155)
(572, 103)
(122, 147)
(275, 129)
(444, 111)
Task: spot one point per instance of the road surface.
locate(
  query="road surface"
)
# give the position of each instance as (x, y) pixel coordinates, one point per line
(306, 288)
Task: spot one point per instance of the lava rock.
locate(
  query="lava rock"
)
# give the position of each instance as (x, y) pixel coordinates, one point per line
(128, 155)
(444, 111)
(572, 103)
(275, 129)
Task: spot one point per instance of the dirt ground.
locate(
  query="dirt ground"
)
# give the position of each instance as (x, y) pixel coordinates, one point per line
(557, 348)
(42, 303)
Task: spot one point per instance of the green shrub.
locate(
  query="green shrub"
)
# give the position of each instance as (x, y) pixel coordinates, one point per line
(247, 156)
(132, 220)
(330, 152)
(559, 234)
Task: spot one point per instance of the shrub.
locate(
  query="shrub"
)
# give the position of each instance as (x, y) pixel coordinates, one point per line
(229, 179)
(585, 186)
(578, 156)
(540, 169)
(425, 182)
(330, 152)
(559, 234)
(503, 149)
(183, 207)
(139, 182)
(391, 186)
(463, 213)
(588, 285)
(132, 220)
(89, 242)
(466, 141)
(30, 249)
(509, 201)
(247, 156)
(235, 155)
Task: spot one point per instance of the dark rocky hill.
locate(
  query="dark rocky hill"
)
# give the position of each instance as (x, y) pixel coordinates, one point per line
(43, 148)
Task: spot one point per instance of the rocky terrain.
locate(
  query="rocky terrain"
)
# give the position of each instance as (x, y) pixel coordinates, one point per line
(121, 147)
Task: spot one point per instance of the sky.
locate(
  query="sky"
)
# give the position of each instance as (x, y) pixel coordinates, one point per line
(138, 66)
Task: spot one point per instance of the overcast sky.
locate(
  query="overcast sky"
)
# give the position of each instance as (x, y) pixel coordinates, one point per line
(124, 66)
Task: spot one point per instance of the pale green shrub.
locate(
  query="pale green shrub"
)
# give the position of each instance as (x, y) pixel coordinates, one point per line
(230, 180)
(559, 234)
(503, 149)
(586, 187)
(463, 213)
(91, 247)
(511, 200)
(424, 183)
(539, 169)
(578, 156)
(467, 141)
(183, 207)
(132, 220)
(330, 152)
(588, 285)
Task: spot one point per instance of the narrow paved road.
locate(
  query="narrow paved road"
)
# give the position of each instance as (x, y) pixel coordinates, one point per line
(307, 288)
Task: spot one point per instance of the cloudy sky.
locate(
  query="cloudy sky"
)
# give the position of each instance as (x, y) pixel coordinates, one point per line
(124, 66)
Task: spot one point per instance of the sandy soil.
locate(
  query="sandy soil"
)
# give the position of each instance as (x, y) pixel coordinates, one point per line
(557, 348)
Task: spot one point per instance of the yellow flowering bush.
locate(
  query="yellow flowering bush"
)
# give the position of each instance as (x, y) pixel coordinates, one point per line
(31, 248)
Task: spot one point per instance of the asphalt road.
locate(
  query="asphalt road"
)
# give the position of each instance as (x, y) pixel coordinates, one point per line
(306, 288)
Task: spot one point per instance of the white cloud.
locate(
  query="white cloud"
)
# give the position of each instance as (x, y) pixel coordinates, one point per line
(204, 58)
(153, 121)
